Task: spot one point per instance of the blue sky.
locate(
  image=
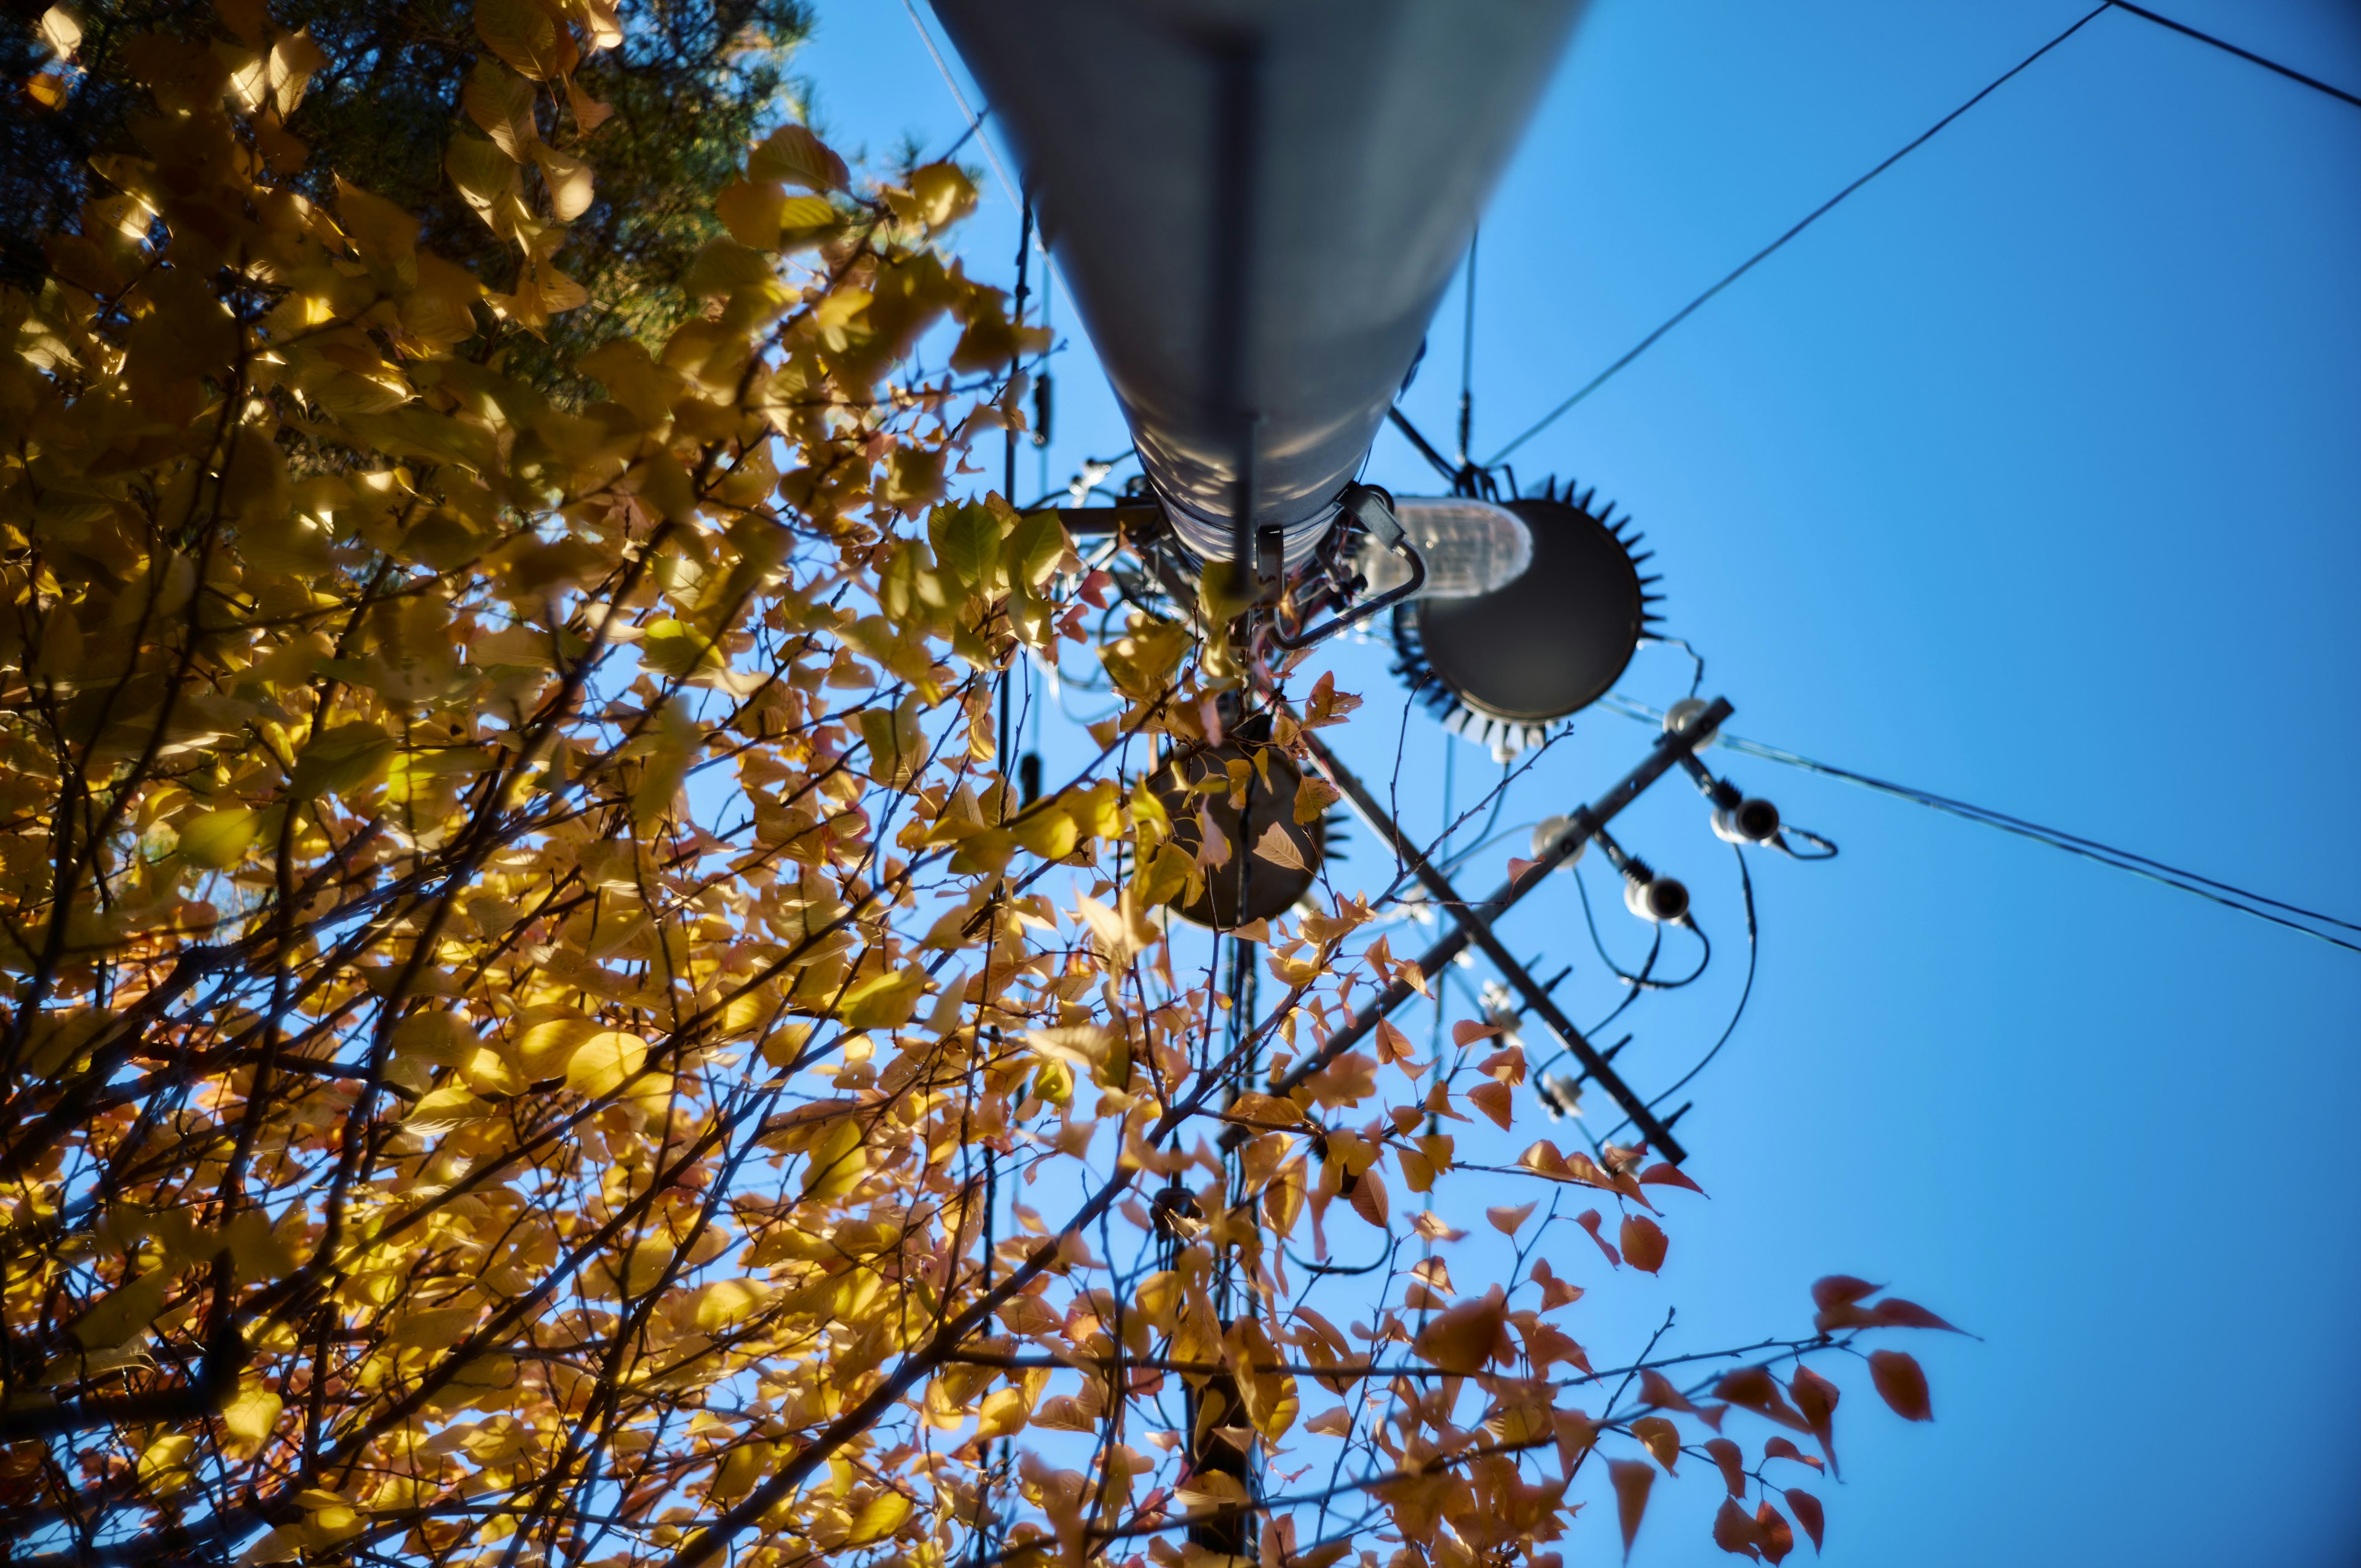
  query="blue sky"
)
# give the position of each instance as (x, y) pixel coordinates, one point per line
(2026, 477)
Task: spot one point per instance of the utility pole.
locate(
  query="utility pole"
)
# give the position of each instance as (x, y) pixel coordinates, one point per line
(1474, 921)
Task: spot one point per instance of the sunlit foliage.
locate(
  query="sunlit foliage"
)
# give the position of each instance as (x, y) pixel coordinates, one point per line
(536, 1030)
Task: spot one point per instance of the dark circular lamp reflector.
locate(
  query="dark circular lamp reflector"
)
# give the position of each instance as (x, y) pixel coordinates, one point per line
(1270, 887)
(1552, 641)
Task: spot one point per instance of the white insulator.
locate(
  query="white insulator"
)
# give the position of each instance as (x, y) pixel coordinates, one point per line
(1657, 900)
(1679, 716)
(1751, 821)
(1548, 831)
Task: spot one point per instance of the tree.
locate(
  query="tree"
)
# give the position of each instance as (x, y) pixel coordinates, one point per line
(670, 107)
(538, 1030)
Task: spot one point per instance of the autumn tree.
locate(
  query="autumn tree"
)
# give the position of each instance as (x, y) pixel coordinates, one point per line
(538, 1030)
(672, 102)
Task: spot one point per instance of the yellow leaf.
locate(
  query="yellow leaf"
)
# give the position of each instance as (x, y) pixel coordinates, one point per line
(443, 1109)
(943, 195)
(437, 1328)
(294, 62)
(489, 1074)
(1050, 834)
(249, 1417)
(1277, 847)
(879, 1518)
(442, 1039)
(522, 33)
(1314, 796)
(589, 112)
(342, 760)
(61, 30)
(164, 1463)
(569, 181)
(883, 1000)
(605, 1062)
(547, 1040)
(501, 103)
(218, 840)
(726, 1300)
(793, 154)
(750, 211)
(1005, 1413)
(125, 1312)
(488, 179)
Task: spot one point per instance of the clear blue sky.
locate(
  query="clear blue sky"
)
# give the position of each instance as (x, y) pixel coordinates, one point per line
(2027, 477)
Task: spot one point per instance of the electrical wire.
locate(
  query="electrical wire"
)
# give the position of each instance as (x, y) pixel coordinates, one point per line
(974, 120)
(2228, 894)
(1697, 660)
(1746, 994)
(2311, 81)
(1810, 218)
(1640, 982)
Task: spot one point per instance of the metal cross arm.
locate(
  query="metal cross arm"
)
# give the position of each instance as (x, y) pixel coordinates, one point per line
(1474, 921)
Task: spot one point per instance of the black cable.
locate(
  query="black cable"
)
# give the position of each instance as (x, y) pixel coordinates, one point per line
(2155, 870)
(1425, 447)
(2074, 844)
(2311, 81)
(1753, 949)
(1813, 216)
(1824, 850)
(973, 126)
(1112, 463)
(1640, 981)
(1467, 358)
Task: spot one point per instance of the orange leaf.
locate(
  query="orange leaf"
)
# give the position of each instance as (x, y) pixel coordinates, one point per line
(1467, 1032)
(1588, 1221)
(1840, 1290)
(1901, 1383)
(1643, 1243)
(1494, 1101)
(1661, 1439)
(1753, 1389)
(1632, 1478)
(1780, 1448)
(1370, 1198)
(1807, 1509)
(1555, 1292)
(1817, 1398)
(1506, 1219)
(1663, 1174)
(1465, 1338)
(1778, 1539)
(1732, 1460)
(1735, 1531)
(1894, 1312)
(1657, 1389)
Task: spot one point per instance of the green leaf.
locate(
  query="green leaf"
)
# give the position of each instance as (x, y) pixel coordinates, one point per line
(1036, 548)
(340, 760)
(967, 541)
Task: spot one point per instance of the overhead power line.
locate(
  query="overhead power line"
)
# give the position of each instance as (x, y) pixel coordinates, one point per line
(1815, 215)
(1821, 211)
(2313, 83)
(2229, 894)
